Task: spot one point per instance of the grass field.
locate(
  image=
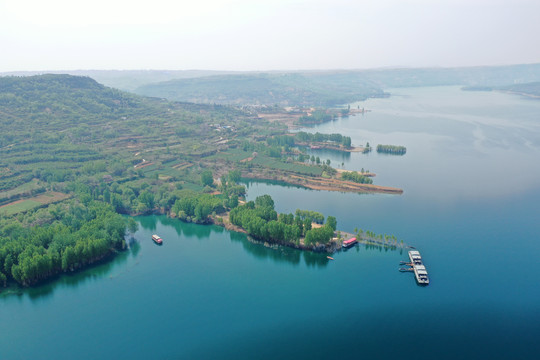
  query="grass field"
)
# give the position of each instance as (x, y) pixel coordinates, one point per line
(32, 203)
(19, 206)
(192, 186)
(29, 186)
(50, 197)
(232, 155)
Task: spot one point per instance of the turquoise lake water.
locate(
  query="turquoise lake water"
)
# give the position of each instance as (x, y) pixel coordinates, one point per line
(471, 181)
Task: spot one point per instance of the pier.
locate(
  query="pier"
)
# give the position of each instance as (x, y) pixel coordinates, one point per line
(417, 266)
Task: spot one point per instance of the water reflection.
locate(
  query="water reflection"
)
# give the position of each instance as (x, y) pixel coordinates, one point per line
(334, 155)
(315, 259)
(148, 222)
(250, 182)
(280, 254)
(199, 231)
(371, 246)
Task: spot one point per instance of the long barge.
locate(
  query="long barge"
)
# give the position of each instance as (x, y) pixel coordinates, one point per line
(418, 267)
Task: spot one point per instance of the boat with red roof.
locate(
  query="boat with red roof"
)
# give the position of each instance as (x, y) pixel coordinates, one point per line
(157, 239)
(349, 243)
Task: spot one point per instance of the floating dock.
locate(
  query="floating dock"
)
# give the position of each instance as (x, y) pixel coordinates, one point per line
(417, 266)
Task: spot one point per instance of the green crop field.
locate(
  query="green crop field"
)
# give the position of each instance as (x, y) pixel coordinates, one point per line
(232, 155)
(18, 207)
(29, 186)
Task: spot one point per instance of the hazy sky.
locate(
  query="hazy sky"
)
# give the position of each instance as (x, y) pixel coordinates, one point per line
(266, 34)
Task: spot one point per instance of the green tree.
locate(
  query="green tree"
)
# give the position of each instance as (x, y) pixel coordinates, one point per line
(132, 225)
(146, 198)
(264, 201)
(234, 176)
(207, 178)
(331, 222)
(307, 225)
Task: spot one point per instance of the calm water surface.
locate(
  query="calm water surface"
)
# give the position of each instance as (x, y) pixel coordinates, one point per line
(471, 183)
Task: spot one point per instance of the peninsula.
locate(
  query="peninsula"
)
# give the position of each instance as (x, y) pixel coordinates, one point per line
(76, 154)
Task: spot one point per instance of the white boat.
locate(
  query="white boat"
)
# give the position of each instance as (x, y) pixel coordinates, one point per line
(419, 268)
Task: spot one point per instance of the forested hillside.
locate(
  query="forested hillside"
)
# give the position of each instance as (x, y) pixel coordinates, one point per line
(329, 88)
(106, 152)
(56, 127)
(266, 89)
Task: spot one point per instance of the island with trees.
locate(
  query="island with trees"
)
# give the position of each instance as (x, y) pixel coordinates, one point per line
(391, 149)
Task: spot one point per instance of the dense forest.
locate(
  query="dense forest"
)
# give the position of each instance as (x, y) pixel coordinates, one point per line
(62, 238)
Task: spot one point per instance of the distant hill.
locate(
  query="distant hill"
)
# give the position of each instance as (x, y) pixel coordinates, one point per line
(319, 88)
(327, 88)
(528, 89)
(265, 89)
(478, 76)
(127, 80)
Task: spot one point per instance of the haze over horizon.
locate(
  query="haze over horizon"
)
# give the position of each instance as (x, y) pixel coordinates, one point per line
(265, 35)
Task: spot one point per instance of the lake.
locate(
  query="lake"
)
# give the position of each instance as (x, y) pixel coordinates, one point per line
(471, 181)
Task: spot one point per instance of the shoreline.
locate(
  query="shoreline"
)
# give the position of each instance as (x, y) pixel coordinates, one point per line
(330, 248)
(325, 184)
(520, 93)
(320, 146)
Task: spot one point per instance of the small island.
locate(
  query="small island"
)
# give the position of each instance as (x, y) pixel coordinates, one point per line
(391, 149)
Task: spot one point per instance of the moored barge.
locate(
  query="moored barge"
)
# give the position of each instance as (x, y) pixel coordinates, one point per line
(418, 267)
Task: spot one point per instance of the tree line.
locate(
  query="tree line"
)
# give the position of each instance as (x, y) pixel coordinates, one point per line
(318, 137)
(391, 149)
(356, 177)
